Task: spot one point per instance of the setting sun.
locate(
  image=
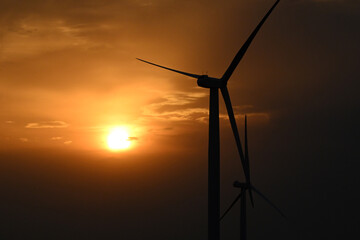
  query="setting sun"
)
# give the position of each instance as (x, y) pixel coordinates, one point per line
(118, 139)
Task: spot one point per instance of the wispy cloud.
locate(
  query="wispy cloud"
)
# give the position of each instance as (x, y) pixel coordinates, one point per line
(56, 138)
(180, 107)
(262, 115)
(179, 99)
(176, 107)
(49, 124)
(24, 139)
(68, 142)
(183, 114)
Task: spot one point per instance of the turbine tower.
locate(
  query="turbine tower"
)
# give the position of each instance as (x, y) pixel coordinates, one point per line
(214, 84)
(246, 186)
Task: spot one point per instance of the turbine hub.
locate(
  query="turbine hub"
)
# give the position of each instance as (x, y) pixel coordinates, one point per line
(209, 82)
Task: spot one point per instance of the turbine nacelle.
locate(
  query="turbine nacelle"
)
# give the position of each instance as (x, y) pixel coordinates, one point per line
(209, 82)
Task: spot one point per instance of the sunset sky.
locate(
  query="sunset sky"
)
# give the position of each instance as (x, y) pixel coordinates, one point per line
(69, 75)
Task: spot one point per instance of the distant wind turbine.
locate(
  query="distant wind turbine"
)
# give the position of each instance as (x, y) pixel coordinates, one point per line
(214, 84)
(247, 186)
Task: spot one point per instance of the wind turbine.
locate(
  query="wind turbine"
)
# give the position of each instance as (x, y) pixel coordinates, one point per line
(246, 186)
(214, 84)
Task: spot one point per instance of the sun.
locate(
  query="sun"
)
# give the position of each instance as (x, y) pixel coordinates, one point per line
(118, 139)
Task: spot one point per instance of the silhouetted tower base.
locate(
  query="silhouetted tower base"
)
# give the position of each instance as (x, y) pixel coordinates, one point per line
(244, 187)
(243, 214)
(214, 168)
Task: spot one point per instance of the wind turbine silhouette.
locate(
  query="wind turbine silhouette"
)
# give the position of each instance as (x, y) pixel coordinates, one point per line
(246, 186)
(214, 84)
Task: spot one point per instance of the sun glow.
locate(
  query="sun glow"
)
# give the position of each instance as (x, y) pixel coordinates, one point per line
(118, 139)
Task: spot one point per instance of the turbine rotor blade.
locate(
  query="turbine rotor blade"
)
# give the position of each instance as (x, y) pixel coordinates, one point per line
(268, 201)
(247, 160)
(226, 96)
(231, 205)
(244, 47)
(170, 69)
(251, 197)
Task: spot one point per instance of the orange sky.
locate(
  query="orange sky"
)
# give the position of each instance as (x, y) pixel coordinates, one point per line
(68, 73)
